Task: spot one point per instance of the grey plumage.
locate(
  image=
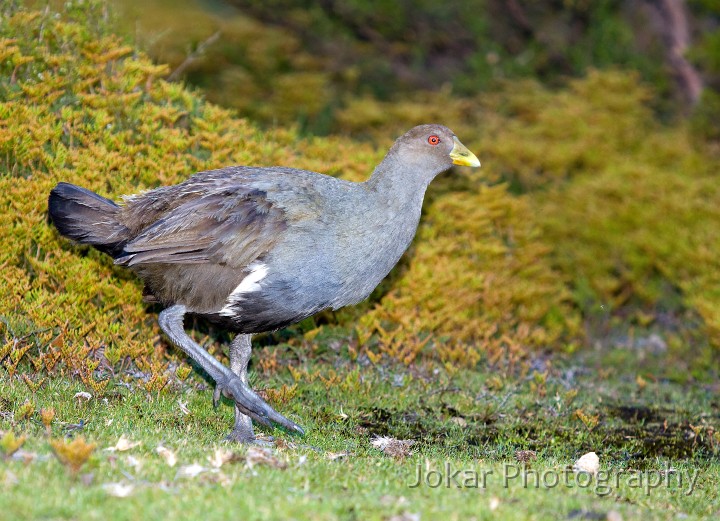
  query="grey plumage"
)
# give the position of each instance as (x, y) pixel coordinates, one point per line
(257, 249)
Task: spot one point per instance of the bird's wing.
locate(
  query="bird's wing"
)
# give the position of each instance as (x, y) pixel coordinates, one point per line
(231, 225)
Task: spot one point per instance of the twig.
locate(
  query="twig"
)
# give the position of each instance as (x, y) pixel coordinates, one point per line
(676, 33)
(196, 54)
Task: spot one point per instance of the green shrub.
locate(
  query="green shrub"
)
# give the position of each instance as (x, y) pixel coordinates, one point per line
(629, 206)
(262, 71)
(479, 277)
(626, 206)
(643, 230)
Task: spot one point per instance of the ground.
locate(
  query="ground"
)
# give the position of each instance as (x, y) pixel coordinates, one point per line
(654, 437)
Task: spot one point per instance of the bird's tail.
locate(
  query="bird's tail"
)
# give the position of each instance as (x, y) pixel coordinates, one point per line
(88, 218)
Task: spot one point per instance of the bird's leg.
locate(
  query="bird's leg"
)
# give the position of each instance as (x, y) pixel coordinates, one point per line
(249, 403)
(240, 350)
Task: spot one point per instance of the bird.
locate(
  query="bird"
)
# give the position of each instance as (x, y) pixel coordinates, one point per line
(256, 249)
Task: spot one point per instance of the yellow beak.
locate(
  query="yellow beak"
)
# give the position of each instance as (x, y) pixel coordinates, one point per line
(462, 156)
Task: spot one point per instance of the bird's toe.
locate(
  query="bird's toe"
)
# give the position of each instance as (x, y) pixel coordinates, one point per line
(250, 404)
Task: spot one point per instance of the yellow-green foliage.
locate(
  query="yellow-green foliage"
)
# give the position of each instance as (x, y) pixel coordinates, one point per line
(629, 208)
(79, 105)
(537, 136)
(641, 230)
(525, 132)
(478, 275)
(256, 68)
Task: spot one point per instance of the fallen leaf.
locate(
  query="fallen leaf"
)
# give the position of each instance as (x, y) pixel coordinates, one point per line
(524, 456)
(588, 463)
(220, 457)
(167, 455)
(82, 396)
(332, 456)
(393, 447)
(124, 444)
(183, 407)
(190, 471)
(118, 489)
(263, 456)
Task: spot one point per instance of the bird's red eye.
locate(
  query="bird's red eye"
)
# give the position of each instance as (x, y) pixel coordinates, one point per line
(433, 140)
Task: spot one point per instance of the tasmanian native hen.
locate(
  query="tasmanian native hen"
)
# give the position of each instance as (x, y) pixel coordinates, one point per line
(256, 249)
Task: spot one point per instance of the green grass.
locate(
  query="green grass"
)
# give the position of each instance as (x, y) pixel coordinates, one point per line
(635, 418)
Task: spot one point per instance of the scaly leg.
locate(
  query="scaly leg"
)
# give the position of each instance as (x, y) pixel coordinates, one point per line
(227, 383)
(240, 350)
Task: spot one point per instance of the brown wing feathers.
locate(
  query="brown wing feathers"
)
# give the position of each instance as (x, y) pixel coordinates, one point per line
(232, 226)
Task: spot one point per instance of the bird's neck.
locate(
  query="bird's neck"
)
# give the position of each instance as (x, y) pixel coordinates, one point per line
(400, 185)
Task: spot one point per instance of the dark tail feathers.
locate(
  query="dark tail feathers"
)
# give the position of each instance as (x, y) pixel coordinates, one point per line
(88, 218)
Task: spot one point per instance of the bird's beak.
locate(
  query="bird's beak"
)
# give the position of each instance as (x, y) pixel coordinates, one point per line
(460, 155)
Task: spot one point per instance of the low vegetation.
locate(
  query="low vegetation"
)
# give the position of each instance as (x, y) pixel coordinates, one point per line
(128, 453)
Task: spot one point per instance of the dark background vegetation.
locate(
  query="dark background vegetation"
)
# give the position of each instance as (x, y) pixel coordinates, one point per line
(329, 51)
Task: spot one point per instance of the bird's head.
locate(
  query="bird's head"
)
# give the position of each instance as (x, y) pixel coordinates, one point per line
(430, 149)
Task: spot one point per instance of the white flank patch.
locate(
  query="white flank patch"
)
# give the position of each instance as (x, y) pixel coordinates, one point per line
(249, 284)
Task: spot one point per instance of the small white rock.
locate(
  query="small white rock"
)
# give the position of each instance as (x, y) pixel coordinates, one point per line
(588, 463)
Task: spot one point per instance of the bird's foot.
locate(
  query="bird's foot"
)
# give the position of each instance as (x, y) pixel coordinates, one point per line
(250, 404)
(242, 432)
(243, 438)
